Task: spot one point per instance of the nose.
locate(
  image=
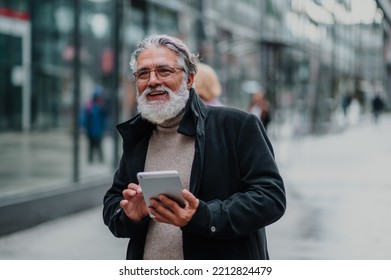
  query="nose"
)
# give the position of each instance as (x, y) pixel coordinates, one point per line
(153, 79)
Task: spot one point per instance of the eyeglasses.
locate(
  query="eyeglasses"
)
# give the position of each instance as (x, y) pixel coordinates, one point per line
(162, 73)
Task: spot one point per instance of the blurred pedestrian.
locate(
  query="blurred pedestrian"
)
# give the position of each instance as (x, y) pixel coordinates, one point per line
(346, 100)
(260, 107)
(207, 85)
(377, 106)
(94, 122)
(231, 182)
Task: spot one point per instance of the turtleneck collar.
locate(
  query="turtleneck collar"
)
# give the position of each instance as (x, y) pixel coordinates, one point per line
(174, 122)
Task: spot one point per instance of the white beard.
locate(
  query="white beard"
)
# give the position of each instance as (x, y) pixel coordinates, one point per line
(158, 111)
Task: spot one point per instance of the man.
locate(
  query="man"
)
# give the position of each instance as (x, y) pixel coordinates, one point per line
(94, 121)
(232, 185)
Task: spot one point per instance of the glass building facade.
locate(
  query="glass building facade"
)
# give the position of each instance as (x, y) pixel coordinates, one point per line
(307, 55)
(37, 90)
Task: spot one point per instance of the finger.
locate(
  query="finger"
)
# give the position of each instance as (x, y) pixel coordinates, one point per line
(123, 203)
(128, 194)
(156, 205)
(161, 209)
(171, 204)
(190, 198)
(134, 187)
(156, 215)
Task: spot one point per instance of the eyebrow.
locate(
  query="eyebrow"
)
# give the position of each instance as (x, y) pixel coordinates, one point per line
(157, 66)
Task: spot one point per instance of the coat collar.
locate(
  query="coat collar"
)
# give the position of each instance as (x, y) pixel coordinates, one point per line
(192, 122)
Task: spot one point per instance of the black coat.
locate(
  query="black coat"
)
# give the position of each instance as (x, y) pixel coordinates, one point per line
(234, 175)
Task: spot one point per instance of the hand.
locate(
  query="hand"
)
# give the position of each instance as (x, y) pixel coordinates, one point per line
(172, 213)
(133, 203)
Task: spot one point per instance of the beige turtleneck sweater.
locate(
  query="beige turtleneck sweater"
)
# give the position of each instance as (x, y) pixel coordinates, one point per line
(168, 150)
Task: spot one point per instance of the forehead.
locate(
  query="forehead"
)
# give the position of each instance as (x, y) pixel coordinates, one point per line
(156, 56)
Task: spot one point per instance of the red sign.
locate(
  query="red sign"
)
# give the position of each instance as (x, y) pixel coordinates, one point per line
(6, 12)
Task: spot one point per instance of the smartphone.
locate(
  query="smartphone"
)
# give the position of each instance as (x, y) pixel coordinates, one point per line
(154, 183)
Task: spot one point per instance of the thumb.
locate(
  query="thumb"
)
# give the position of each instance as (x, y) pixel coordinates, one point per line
(191, 199)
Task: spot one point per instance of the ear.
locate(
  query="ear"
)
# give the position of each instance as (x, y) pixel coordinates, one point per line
(190, 81)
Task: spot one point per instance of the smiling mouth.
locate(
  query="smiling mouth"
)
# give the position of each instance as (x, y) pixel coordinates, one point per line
(157, 93)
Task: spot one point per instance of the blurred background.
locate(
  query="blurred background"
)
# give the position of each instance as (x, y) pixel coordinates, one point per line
(320, 62)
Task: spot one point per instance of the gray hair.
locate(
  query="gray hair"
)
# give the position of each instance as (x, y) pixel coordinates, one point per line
(186, 58)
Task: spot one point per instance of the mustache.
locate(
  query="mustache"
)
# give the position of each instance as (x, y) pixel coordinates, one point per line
(156, 88)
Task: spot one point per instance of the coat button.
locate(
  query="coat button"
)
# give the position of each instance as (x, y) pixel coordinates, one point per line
(213, 229)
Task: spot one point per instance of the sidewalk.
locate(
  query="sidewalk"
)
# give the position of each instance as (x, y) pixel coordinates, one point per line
(339, 200)
(339, 195)
(81, 236)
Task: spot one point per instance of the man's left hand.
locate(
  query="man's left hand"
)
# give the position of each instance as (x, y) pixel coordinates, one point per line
(172, 213)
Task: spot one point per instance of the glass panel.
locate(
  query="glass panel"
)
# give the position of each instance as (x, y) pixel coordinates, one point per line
(96, 144)
(10, 89)
(163, 20)
(41, 156)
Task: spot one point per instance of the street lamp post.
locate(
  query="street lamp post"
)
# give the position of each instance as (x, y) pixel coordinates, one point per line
(76, 90)
(118, 6)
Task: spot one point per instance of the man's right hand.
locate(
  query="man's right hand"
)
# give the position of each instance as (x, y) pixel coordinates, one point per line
(133, 203)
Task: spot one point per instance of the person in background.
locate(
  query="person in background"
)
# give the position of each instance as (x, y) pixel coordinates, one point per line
(346, 100)
(207, 85)
(94, 122)
(377, 106)
(260, 107)
(232, 186)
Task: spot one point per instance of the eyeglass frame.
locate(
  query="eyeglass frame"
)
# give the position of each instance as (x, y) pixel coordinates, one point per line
(172, 68)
